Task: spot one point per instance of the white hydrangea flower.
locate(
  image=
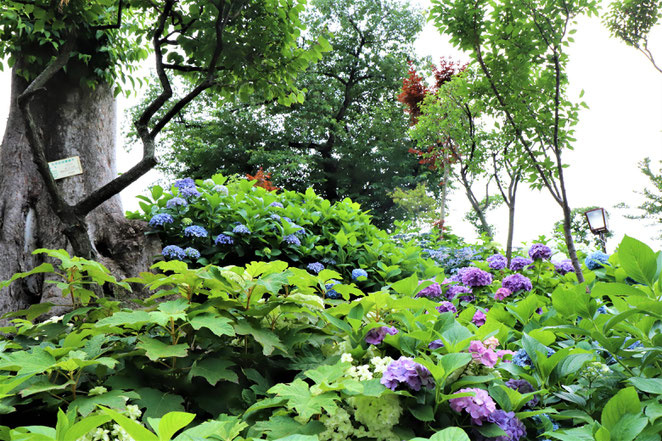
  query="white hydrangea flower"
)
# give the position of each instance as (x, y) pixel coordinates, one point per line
(364, 373)
(54, 319)
(133, 411)
(346, 358)
(97, 391)
(101, 435)
(352, 372)
(380, 364)
(209, 182)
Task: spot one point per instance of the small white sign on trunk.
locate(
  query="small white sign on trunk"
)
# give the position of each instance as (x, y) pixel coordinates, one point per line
(66, 167)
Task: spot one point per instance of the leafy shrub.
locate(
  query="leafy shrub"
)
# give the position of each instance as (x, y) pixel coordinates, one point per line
(207, 222)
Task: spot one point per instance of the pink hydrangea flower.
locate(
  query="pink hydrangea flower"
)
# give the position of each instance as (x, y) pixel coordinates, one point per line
(481, 354)
(502, 293)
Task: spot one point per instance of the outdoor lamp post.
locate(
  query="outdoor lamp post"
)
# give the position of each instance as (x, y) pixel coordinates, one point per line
(598, 222)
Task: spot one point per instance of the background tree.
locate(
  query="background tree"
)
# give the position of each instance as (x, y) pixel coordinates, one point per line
(520, 49)
(67, 58)
(421, 207)
(651, 208)
(348, 139)
(632, 21)
(581, 232)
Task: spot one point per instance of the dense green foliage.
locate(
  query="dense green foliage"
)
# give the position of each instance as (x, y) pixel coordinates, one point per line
(347, 139)
(651, 208)
(291, 363)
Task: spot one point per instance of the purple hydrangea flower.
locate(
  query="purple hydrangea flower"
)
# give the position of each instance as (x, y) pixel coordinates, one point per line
(189, 192)
(523, 387)
(183, 183)
(358, 272)
(508, 422)
(518, 263)
(497, 262)
(564, 267)
(192, 253)
(241, 229)
(517, 282)
(454, 290)
(275, 217)
(480, 406)
(446, 307)
(173, 252)
(540, 251)
(376, 335)
(479, 318)
(502, 293)
(300, 230)
(292, 240)
(160, 219)
(224, 239)
(467, 299)
(436, 344)
(431, 292)
(405, 371)
(276, 204)
(476, 277)
(315, 267)
(195, 231)
(176, 202)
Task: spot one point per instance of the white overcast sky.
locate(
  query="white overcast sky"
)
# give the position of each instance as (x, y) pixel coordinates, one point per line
(622, 126)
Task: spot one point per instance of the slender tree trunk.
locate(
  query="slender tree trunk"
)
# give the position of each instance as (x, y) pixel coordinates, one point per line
(444, 195)
(511, 229)
(74, 121)
(476, 207)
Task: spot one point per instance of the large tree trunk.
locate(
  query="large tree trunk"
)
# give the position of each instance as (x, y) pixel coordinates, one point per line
(75, 121)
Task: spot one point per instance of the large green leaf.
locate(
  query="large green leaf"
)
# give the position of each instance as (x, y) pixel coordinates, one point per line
(158, 403)
(265, 337)
(213, 370)
(638, 260)
(155, 349)
(649, 385)
(215, 323)
(626, 401)
(300, 398)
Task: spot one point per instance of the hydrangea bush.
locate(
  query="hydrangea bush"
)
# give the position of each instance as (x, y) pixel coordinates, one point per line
(225, 221)
(263, 351)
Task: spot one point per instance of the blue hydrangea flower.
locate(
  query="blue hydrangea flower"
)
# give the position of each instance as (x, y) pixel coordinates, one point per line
(173, 252)
(189, 192)
(276, 204)
(521, 358)
(508, 422)
(603, 310)
(241, 229)
(358, 272)
(292, 240)
(315, 267)
(300, 230)
(183, 183)
(176, 202)
(192, 253)
(195, 231)
(224, 239)
(329, 261)
(187, 187)
(436, 344)
(275, 217)
(596, 260)
(330, 292)
(160, 219)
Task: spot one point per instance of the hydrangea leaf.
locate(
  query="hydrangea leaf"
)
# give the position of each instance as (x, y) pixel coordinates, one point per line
(626, 401)
(220, 326)
(157, 403)
(267, 339)
(638, 260)
(491, 430)
(213, 370)
(300, 399)
(36, 361)
(129, 319)
(155, 349)
(649, 385)
(115, 399)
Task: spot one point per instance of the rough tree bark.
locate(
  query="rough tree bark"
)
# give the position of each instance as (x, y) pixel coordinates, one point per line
(75, 121)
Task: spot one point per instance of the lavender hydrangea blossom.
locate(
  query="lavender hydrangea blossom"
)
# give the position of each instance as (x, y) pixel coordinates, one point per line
(160, 219)
(518, 263)
(474, 277)
(540, 251)
(276, 204)
(173, 252)
(241, 229)
(436, 344)
(564, 267)
(315, 267)
(454, 290)
(222, 189)
(405, 371)
(176, 202)
(502, 293)
(517, 282)
(479, 406)
(446, 307)
(376, 335)
(292, 240)
(183, 183)
(431, 292)
(497, 262)
(523, 387)
(479, 318)
(224, 239)
(195, 231)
